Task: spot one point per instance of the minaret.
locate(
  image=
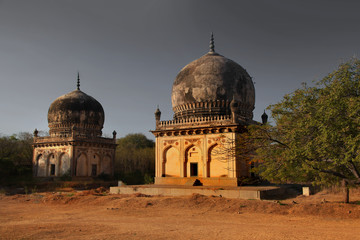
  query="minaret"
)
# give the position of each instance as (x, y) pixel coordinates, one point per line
(157, 115)
(114, 135)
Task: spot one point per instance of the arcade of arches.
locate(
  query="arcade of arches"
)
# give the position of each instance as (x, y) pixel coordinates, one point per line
(205, 157)
(82, 162)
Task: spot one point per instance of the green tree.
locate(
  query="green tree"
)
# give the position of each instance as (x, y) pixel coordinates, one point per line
(135, 158)
(15, 155)
(316, 137)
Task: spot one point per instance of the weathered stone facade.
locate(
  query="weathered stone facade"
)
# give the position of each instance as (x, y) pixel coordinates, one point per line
(213, 100)
(75, 146)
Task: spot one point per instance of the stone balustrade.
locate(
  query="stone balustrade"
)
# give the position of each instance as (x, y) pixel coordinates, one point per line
(69, 138)
(195, 121)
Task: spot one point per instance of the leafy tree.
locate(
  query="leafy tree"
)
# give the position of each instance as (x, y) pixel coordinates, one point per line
(135, 158)
(15, 155)
(316, 137)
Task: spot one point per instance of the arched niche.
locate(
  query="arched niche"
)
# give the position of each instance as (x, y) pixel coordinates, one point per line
(52, 168)
(171, 162)
(94, 165)
(106, 165)
(64, 164)
(193, 164)
(41, 164)
(217, 164)
(81, 165)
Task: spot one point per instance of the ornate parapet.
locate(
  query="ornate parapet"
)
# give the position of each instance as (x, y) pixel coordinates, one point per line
(195, 121)
(70, 140)
(211, 108)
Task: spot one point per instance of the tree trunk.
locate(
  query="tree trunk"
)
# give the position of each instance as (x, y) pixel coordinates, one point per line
(345, 191)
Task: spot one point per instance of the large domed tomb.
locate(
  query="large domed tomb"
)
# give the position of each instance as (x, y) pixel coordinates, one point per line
(75, 146)
(213, 99)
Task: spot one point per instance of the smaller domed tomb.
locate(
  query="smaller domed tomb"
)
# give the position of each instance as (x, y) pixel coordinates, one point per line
(75, 146)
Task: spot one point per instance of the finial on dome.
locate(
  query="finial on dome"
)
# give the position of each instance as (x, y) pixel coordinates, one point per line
(212, 46)
(78, 81)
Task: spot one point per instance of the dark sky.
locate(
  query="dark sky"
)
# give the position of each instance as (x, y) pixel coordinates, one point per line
(128, 53)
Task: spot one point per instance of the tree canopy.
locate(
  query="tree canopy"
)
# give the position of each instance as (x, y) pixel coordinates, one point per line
(316, 135)
(135, 158)
(15, 155)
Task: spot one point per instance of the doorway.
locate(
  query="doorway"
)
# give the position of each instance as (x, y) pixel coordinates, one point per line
(193, 169)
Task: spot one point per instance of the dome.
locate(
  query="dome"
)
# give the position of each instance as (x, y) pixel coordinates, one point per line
(76, 111)
(207, 85)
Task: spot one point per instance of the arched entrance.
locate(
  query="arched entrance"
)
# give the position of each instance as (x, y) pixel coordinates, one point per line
(193, 163)
(94, 165)
(52, 168)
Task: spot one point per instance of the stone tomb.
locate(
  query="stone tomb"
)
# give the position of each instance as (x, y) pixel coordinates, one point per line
(75, 146)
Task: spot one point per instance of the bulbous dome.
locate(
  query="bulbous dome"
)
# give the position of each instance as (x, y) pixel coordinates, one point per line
(76, 111)
(207, 85)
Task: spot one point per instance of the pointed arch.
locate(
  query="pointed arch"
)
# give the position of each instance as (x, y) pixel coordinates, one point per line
(171, 162)
(106, 165)
(52, 165)
(64, 163)
(82, 165)
(217, 165)
(94, 165)
(41, 165)
(193, 161)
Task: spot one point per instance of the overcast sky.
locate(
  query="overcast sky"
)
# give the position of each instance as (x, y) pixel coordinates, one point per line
(128, 53)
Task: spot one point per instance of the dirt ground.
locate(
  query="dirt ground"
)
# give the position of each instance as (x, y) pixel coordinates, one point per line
(95, 214)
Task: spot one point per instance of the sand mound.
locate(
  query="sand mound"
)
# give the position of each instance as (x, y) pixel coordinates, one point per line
(300, 206)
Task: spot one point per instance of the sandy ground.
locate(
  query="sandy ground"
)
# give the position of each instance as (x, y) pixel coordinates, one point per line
(95, 214)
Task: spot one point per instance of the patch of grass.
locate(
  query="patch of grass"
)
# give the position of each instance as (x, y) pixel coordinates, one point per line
(357, 202)
(280, 203)
(148, 179)
(34, 189)
(26, 190)
(70, 194)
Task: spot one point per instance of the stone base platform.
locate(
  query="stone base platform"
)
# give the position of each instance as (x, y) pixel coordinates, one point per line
(247, 192)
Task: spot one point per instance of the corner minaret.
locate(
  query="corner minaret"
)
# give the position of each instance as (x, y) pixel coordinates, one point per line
(264, 118)
(157, 115)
